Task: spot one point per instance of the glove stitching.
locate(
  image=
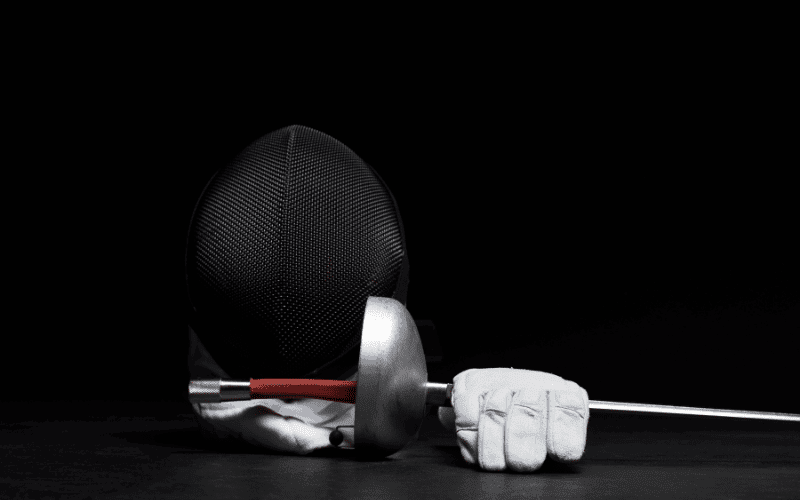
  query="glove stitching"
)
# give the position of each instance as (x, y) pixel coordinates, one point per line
(571, 410)
(537, 410)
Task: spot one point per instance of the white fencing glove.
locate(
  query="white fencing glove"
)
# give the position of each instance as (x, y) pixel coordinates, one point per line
(298, 426)
(513, 419)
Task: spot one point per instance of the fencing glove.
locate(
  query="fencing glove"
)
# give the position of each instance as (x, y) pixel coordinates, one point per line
(513, 419)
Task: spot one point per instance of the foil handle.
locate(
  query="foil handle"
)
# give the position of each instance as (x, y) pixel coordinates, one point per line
(217, 391)
(438, 394)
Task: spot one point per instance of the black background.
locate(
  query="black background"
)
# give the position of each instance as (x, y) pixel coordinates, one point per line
(617, 213)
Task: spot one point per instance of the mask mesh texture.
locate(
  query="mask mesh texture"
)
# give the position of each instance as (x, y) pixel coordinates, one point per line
(285, 245)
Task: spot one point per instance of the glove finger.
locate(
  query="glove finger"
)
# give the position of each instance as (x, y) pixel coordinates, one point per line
(526, 431)
(491, 429)
(568, 418)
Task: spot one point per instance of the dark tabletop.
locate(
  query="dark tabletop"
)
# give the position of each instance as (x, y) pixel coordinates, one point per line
(154, 450)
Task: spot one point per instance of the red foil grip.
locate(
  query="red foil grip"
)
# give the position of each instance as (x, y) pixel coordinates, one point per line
(342, 391)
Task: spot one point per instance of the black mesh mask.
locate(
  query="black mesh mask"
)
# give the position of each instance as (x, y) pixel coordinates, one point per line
(284, 247)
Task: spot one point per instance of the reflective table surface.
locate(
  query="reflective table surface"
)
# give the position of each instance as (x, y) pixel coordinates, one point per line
(111, 449)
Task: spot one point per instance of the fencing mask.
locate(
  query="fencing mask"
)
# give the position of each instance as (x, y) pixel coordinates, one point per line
(285, 245)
